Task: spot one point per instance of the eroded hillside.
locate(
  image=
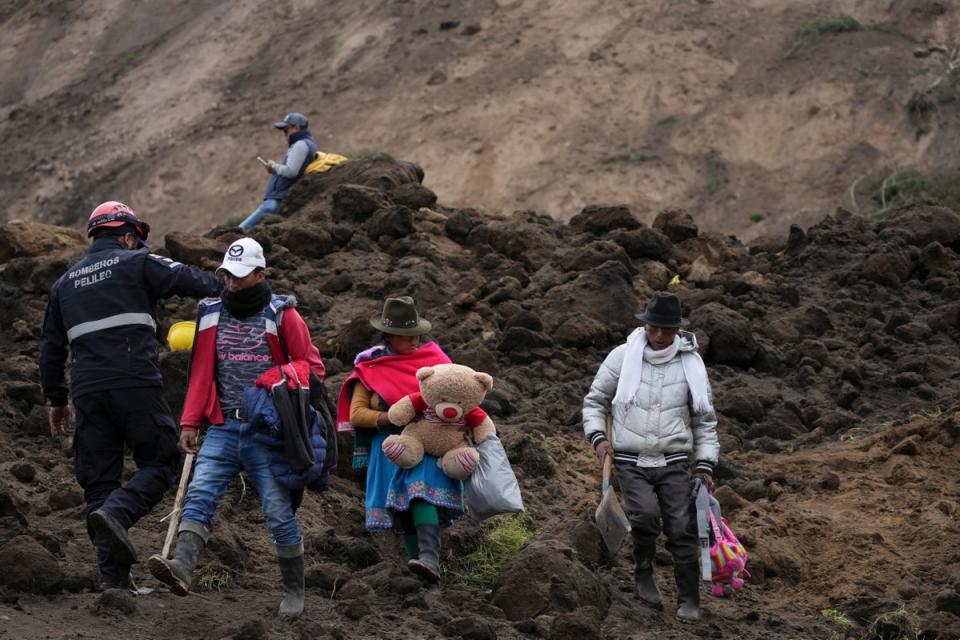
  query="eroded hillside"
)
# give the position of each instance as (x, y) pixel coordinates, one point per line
(724, 108)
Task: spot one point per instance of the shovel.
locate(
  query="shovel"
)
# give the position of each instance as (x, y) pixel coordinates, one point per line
(610, 518)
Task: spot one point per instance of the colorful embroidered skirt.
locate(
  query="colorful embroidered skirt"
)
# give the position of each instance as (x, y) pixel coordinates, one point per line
(429, 483)
(390, 488)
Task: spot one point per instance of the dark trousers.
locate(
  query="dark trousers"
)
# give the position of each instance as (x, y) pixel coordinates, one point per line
(652, 495)
(107, 421)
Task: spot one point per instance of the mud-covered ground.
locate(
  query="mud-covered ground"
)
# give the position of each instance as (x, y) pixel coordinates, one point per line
(833, 354)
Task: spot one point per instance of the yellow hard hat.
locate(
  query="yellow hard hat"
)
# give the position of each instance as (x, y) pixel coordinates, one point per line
(180, 336)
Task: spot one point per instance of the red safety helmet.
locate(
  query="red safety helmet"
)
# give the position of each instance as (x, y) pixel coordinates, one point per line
(116, 214)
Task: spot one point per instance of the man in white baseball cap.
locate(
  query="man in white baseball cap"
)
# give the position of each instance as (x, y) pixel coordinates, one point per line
(240, 336)
(242, 258)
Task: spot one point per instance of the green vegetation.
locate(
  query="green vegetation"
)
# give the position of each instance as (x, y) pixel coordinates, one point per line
(895, 625)
(214, 577)
(757, 216)
(936, 412)
(839, 617)
(945, 94)
(716, 172)
(503, 537)
(629, 158)
(813, 29)
(909, 186)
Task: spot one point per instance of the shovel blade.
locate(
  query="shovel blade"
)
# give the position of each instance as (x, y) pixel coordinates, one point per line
(611, 521)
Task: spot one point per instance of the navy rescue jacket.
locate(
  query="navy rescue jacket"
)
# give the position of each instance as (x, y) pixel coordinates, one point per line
(103, 310)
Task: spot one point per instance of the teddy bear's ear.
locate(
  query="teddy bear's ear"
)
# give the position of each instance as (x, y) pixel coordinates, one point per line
(484, 379)
(424, 372)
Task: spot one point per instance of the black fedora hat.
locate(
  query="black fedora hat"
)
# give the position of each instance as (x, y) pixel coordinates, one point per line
(663, 310)
(400, 318)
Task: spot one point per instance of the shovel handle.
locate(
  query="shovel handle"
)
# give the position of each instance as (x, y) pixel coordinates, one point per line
(607, 467)
(607, 460)
(178, 505)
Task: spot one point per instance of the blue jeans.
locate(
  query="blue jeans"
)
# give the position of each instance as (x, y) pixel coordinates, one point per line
(267, 206)
(228, 449)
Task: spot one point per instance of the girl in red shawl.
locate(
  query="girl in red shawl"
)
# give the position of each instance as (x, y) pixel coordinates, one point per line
(418, 500)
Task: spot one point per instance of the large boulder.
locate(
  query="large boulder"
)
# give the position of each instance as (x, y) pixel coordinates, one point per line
(311, 194)
(605, 294)
(601, 219)
(354, 202)
(29, 567)
(644, 243)
(547, 577)
(194, 250)
(921, 224)
(731, 336)
(33, 239)
(676, 224)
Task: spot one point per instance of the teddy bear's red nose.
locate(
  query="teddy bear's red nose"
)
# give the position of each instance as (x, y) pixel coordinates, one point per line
(450, 413)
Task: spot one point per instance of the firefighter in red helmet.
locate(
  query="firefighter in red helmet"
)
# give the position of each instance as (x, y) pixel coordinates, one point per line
(103, 312)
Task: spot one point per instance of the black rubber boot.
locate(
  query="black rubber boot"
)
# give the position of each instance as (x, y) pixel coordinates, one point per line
(177, 573)
(122, 549)
(688, 591)
(291, 570)
(427, 565)
(643, 576)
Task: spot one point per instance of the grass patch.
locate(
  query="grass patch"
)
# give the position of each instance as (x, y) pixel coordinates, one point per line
(911, 187)
(813, 29)
(716, 172)
(503, 536)
(757, 216)
(895, 625)
(839, 617)
(214, 577)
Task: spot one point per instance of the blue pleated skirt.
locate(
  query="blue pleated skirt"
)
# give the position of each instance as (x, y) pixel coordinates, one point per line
(391, 489)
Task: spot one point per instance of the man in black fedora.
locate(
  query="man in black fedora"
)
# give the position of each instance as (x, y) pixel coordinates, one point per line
(656, 389)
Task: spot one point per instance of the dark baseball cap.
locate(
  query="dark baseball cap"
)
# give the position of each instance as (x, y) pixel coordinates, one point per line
(292, 118)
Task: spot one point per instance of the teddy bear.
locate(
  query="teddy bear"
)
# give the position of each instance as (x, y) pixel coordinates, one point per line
(438, 419)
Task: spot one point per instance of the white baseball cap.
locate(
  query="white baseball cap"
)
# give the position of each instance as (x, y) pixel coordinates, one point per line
(242, 257)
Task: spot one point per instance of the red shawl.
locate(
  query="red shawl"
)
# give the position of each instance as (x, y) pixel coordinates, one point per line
(390, 377)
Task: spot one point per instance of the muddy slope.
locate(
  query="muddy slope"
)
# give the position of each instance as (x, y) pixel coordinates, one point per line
(833, 353)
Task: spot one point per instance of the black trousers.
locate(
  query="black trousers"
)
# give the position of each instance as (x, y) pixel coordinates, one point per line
(107, 422)
(655, 495)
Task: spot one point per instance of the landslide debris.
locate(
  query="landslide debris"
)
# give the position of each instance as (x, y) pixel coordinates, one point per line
(833, 353)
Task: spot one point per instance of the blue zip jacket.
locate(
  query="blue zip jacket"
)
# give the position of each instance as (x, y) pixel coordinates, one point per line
(267, 432)
(103, 312)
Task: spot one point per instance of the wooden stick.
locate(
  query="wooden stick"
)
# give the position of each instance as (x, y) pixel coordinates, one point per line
(178, 505)
(607, 460)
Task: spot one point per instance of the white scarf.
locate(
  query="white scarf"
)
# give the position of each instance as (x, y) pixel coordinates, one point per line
(638, 351)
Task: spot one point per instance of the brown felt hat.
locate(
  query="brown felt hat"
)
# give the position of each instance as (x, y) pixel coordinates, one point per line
(400, 318)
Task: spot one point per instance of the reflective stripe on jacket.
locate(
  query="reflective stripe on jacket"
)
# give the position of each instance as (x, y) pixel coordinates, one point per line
(102, 311)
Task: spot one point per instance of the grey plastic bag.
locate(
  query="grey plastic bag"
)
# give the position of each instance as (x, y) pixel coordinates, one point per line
(492, 488)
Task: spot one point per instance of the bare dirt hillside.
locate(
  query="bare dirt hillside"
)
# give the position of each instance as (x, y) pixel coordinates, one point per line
(833, 353)
(715, 106)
